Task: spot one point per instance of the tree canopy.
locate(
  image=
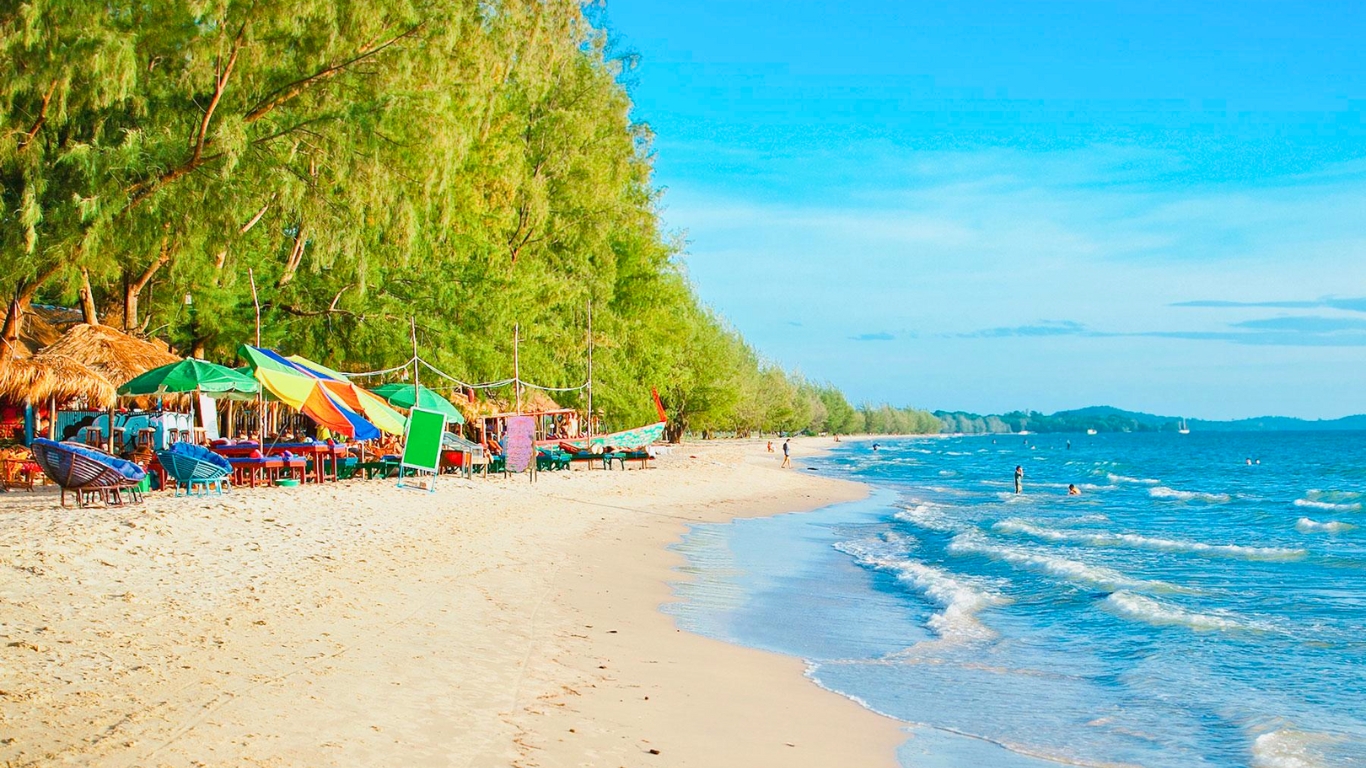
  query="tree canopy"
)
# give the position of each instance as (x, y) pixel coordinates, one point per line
(472, 164)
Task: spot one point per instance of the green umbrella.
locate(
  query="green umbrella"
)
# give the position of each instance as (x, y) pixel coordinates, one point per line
(193, 375)
(401, 395)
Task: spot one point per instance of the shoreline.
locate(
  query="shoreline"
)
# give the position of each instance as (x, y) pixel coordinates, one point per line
(358, 624)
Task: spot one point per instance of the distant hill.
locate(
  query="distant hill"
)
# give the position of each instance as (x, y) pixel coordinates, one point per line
(1105, 418)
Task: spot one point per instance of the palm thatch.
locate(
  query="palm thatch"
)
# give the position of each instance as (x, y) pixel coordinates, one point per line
(113, 354)
(533, 401)
(39, 378)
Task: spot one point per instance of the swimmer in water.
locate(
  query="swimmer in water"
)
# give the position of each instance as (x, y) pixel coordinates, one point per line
(1072, 490)
(874, 447)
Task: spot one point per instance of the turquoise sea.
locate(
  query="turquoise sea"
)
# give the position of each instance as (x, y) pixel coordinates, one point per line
(1189, 609)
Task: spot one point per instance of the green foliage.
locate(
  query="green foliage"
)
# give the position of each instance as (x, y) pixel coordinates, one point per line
(471, 163)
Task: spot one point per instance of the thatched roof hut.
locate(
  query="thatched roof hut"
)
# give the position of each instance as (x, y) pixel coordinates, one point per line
(39, 378)
(113, 354)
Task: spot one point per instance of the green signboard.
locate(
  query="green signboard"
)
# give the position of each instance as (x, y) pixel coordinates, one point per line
(422, 448)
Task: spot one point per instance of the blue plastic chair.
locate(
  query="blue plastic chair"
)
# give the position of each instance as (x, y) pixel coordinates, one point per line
(193, 466)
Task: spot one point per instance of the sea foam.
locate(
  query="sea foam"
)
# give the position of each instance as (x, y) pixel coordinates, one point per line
(1114, 478)
(1328, 505)
(1163, 492)
(928, 516)
(1106, 539)
(1305, 525)
(1287, 748)
(1150, 611)
(1053, 565)
(959, 599)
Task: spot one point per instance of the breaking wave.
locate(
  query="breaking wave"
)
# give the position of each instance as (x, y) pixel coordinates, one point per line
(1163, 492)
(1106, 539)
(1150, 611)
(1061, 567)
(1305, 525)
(960, 601)
(1134, 480)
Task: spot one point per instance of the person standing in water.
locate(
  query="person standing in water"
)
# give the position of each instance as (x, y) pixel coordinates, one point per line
(1072, 490)
(1019, 479)
(787, 456)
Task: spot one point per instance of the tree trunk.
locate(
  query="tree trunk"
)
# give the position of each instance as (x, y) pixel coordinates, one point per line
(133, 291)
(23, 296)
(296, 257)
(88, 312)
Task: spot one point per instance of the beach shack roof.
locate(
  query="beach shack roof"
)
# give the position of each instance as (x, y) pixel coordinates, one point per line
(534, 401)
(113, 354)
(38, 378)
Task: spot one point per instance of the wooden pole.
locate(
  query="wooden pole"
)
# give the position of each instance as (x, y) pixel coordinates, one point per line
(260, 390)
(517, 365)
(413, 323)
(590, 372)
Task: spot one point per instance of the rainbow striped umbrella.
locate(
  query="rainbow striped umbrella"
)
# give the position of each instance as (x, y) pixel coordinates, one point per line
(306, 393)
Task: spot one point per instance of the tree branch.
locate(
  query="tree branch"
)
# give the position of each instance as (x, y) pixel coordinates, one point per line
(42, 117)
(289, 91)
(220, 85)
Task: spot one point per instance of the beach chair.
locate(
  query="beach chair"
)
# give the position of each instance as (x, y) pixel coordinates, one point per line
(192, 466)
(87, 471)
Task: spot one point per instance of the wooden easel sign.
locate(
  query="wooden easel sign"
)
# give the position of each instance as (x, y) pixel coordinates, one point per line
(421, 462)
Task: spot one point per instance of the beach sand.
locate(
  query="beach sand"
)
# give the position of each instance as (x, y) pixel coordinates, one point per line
(492, 623)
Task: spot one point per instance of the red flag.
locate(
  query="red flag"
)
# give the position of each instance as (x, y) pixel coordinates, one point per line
(659, 405)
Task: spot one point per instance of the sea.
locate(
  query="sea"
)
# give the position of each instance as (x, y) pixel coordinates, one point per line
(1200, 604)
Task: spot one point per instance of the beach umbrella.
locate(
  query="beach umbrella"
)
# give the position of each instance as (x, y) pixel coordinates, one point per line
(358, 398)
(193, 375)
(401, 395)
(306, 393)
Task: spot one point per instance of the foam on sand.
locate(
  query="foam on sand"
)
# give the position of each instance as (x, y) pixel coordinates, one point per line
(1150, 611)
(1163, 492)
(1107, 539)
(1305, 525)
(1053, 565)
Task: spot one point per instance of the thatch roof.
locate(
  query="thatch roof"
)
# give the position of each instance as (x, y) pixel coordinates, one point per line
(41, 377)
(109, 352)
(533, 401)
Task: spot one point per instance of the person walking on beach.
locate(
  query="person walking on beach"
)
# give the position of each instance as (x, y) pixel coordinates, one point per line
(1019, 479)
(787, 456)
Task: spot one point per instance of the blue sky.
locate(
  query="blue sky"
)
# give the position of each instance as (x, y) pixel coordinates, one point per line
(999, 205)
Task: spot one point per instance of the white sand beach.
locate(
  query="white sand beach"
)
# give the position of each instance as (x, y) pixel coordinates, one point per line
(492, 623)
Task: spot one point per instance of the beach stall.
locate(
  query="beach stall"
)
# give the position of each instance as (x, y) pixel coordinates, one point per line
(119, 358)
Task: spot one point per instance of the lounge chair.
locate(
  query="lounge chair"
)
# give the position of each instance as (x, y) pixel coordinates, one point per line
(87, 471)
(191, 466)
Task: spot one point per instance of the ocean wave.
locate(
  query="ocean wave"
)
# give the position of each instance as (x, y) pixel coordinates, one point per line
(1305, 525)
(1053, 565)
(1287, 748)
(1114, 478)
(1163, 492)
(960, 600)
(1150, 611)
(1106, 539)
(928, 516)
(1354, 506)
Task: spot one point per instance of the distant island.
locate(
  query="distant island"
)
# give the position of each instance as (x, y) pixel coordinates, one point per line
(1104, 418)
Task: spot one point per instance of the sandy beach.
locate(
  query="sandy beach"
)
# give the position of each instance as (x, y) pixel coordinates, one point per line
(492, 623)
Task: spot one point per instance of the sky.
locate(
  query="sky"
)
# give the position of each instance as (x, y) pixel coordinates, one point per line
(991, 206)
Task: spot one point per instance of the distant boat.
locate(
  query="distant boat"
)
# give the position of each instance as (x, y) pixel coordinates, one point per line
(1183, 429)
(1090, 432)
